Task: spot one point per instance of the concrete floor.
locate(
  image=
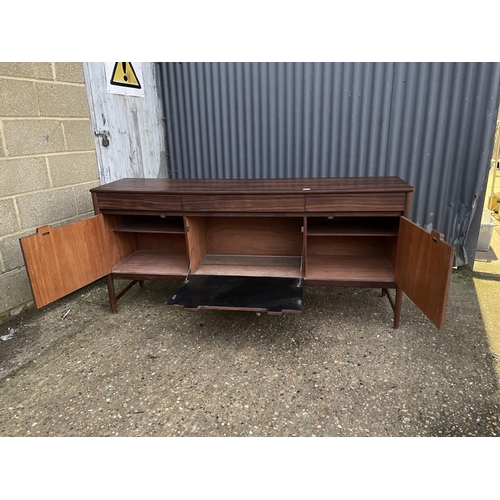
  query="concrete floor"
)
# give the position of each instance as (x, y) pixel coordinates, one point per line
(338, 369)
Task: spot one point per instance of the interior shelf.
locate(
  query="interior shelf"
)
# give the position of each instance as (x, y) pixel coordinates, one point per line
(172, 225)
(353, 226)
(350, 268)
(153, 263)
(250, 265)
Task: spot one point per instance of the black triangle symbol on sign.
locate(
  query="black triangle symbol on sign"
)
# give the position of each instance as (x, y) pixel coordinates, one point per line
(124, 75)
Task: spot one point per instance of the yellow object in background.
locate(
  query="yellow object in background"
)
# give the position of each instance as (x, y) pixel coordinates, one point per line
(495, 202)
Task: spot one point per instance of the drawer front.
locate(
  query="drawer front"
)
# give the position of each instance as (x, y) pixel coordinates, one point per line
(140, 202)
(243, 203)
(370, 202)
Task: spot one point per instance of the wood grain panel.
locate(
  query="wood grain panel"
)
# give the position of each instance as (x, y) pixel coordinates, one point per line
(348, 245)
(130, 202)
(197, 240)
(243, 203)
(250, 265)
(355, 269)
(257, 186)
(423, 269)
(304, 246)
(369, 202)
(392, 249)
(255, 236)
(120, 245)
(152, 263)
(62, 260)
(168, 243)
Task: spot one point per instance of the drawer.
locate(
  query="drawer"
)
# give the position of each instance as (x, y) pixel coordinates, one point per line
(243, 203)
(140, 202)
(370, 202)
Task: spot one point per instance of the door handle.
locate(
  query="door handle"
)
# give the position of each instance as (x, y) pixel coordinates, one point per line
(104, 135)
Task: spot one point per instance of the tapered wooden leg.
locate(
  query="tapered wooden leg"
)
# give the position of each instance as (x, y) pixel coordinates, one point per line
(384, 291)
(397, 307)
(111, 292)
(141, 283)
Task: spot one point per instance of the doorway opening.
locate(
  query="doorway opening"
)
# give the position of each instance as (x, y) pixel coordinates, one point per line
(486, 274)
(488, 246)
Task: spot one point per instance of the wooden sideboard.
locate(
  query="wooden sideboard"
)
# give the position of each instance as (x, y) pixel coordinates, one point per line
(247, 244)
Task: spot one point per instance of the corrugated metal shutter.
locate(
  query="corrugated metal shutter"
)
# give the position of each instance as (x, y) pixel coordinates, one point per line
(432, 124)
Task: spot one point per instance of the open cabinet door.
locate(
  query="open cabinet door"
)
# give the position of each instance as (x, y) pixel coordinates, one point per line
(62, 260)
(423, 269)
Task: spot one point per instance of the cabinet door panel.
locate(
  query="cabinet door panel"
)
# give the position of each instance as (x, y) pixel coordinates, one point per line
(62, 260)
(423, 269)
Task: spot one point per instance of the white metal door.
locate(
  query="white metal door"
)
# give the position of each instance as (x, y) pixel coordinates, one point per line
(128, 130)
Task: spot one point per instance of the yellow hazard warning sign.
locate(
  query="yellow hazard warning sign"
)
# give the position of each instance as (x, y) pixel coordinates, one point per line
(124, 75)
(125, 78)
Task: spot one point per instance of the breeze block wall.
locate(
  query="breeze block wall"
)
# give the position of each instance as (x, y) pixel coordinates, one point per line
(47, 163)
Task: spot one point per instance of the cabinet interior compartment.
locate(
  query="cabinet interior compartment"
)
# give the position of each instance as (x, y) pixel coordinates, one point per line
(157, 245)
(245, 246)
(149, 224)
(352, 226)
(351, 260)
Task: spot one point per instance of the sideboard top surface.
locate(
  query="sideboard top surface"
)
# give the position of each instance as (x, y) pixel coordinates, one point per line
(258, 186)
